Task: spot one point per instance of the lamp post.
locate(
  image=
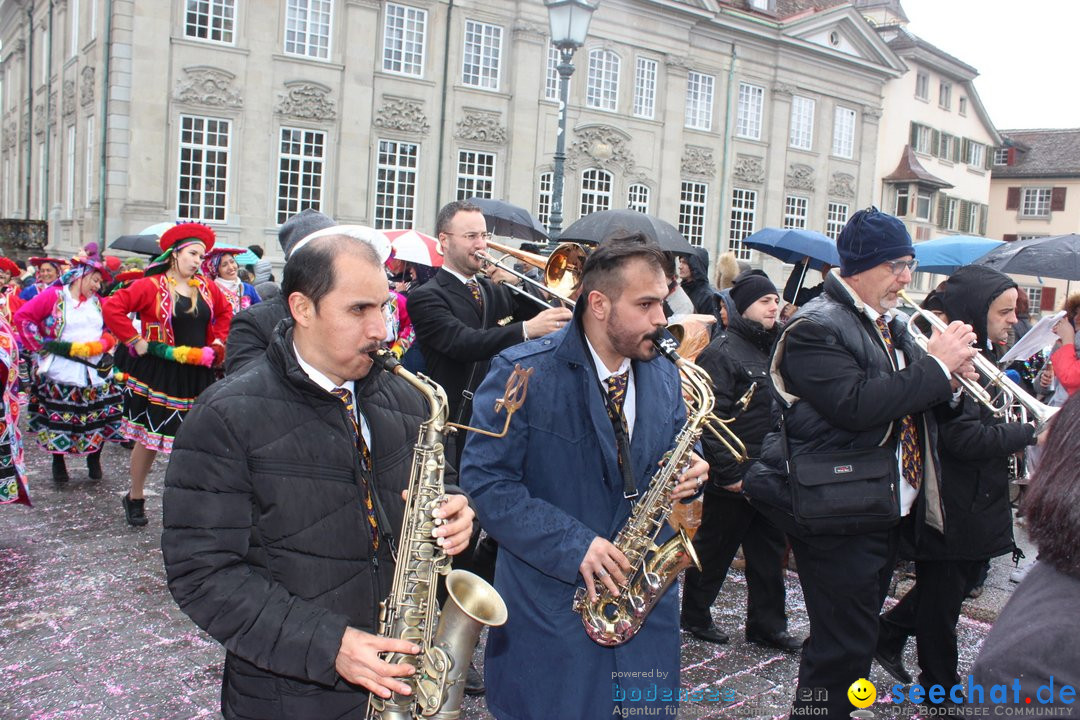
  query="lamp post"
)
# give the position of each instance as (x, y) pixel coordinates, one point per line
(569, 21)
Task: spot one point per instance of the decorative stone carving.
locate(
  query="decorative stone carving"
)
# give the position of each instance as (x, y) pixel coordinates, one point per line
(677, 62)
(69, 97)
(402, 114)
(698, 161)
(800, 177)
(24, 129)
(871, 112)
(20, 47)
(525, 28)
(601, 146)
(86, 86)
(842, 185)
(24, 236)
(202, 85)
(52, 110)
(39, 119)
(11, 135)
(481, 127)
(749, 168)
(306, 101)
(783, 89)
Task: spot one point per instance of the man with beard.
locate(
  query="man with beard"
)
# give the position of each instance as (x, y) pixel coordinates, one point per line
(284, 499)
(601, 411)
(738, 363)
(974, 447)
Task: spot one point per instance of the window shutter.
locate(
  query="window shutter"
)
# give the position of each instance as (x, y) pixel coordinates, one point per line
(965, 149)
(1012, 198)
(964, 216)
(984, 210)
(1048, 298)
(988, 157)
(941, 203)
(1057, 199)
(914, 140)
(935, 143)
(957, 156)
(1012, 156)
(1009, 237)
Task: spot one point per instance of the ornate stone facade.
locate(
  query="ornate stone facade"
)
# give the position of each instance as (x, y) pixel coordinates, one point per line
(749, 169)
(306, 101)
(208, 86)
(698, 162)
(842, 185)
(86, 86)
(800, 177)
(601, 146)
(481, 127)
(69, 98)
(402, 114)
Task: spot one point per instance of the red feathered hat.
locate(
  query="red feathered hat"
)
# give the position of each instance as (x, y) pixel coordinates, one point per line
(7, 264)
(184, 233)
(39, 261)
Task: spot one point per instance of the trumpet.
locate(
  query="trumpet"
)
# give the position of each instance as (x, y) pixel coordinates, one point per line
(1008, 393)
(562, 270)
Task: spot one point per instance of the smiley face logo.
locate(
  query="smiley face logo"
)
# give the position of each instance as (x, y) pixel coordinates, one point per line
(862, 693)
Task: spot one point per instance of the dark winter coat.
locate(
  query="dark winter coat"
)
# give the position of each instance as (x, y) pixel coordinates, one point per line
(250, 333)
(737, 359)
(266, 544)
(975, 445)
(698, 288)
(841, 390)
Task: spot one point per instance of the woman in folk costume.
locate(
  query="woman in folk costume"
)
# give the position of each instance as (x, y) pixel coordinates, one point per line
(75, 408)
(185, 320)
(9, 289)
(220, 266)
(12, 470)
(48, 271)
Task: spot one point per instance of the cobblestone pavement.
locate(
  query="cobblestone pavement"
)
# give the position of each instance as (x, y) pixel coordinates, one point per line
(89, 630)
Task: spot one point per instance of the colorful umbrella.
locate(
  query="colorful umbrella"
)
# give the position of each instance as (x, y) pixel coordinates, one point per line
(415, 247)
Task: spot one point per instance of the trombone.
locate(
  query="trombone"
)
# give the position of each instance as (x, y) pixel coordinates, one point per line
(1008, 393)
(562, 270)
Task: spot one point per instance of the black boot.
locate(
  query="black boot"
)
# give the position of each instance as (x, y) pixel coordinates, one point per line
(134, 509)
(59, 469)
(93, 465)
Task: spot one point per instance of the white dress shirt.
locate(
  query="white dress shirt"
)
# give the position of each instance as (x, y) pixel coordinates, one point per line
(328, 385)
(630, 404)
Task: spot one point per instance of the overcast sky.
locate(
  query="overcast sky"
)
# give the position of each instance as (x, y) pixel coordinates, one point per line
(1025, 52)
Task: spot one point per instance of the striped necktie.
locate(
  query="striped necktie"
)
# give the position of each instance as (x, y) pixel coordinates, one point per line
(910, 452)
(345, 396)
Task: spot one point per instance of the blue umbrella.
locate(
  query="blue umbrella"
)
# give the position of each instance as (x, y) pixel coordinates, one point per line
(791, 246)
(946, 254)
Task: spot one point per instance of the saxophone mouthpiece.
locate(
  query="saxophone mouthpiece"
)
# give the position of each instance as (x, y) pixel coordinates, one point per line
(385, 360)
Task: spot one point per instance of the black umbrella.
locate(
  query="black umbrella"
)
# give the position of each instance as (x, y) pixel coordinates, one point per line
(598, 226)
(142, 244)
(509, 220)
(1057, 256)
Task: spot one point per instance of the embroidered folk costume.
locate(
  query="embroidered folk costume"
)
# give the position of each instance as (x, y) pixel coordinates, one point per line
(13, 488)
(239, 293)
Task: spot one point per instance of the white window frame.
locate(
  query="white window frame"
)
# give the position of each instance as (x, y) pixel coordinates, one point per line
(945, 95)
(397, 166)
(922, 85)
(73, 38)
(742, 220)
(69, 173)
(93, 19)
(843, 144)
(551, 78)
(602, 89)
(1034, 293)
(597, 190)
(308, 167)
(924, 199)
(220, 211)
(645, 72)
(476, 174)
(902, 194)
(543, 197)
(481, 57)
(973, 218)
(976, 154)
(1001, 156)
(1035, 202)
(836, 217)
(801, 131)
(952, 214)
(750, 112)
(693, 201)
(924, 138)
(699, 100)
(404, 40)
(308, 42)
(638, 196)
(206, 13)
(961, 106)
(90, 162)
(796, 212)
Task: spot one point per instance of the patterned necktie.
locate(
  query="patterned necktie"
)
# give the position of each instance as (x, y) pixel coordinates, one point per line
(616, 390)
(910, 452)
(345, 396)
(474, 288)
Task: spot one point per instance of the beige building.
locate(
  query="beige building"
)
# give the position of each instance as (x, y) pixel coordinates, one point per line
(721, 117)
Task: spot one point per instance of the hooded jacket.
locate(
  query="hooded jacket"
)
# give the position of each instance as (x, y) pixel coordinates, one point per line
(697, 287)
(975, 445)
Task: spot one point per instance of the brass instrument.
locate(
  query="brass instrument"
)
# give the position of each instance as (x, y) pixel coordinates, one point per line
(611, 620)
(411, 610)
(1008, 393)
(562, 269)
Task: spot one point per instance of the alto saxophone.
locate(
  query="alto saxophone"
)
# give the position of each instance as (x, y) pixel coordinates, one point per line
(411, 610)
(611, 620)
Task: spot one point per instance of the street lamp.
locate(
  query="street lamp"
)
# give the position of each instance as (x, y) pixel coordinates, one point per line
(569, 21)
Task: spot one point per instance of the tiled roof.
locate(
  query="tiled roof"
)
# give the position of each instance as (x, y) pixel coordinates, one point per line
(1049, 153)
(900, 39)
(910, 169)
(893, 6)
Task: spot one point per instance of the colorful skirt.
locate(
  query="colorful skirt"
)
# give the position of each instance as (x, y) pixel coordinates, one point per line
(74, 420)
(157, 395)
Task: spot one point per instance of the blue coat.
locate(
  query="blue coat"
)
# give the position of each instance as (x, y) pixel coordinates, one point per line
(544, 493)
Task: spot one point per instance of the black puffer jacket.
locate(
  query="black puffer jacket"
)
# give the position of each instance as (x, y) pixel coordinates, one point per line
(250, 333)
(698, 288)
(831, 370)
(266, 544)
(975, 446)
(737, 358)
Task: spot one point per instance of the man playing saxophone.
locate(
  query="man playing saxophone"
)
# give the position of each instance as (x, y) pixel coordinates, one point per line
(283, 500)
(601, 413)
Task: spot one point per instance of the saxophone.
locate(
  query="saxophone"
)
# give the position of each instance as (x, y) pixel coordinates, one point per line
(411, 610)
(611, 620)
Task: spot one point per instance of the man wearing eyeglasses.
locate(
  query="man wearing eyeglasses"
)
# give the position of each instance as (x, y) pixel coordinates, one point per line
(849, 376)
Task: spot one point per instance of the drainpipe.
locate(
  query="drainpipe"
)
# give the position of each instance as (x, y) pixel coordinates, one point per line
(724, 152)
(29, 105)
(103, 131)
(442, 107)
(48, 98)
